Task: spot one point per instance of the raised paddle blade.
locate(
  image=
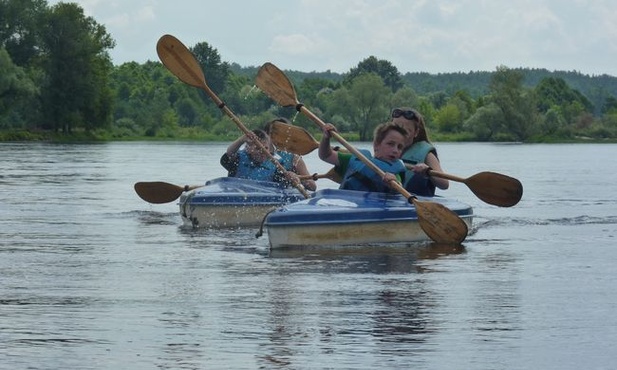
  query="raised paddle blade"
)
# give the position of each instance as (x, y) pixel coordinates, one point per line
(159, 192)
(495, 188)
(441, 224)
(180, 61)
(292, 139)
(273, 82)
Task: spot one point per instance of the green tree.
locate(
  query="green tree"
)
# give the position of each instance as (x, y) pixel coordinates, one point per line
(610, 105)
(554, 93)
(553, 122)
(215, 70)
(20, 23)
(16, 92)
(404, 97)
(449, 118)
(486, 123)
(517, 105)
(340, 107)
(77, 92)
(387, 71)
(370, 96)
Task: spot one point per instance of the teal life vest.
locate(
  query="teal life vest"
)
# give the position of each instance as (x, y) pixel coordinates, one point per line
(414, 183)
(358, 176)
(264, 171)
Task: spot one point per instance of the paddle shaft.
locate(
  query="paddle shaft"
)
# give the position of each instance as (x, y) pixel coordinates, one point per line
(330, 175)
(189, 74)
(316, 176)
(398, 187)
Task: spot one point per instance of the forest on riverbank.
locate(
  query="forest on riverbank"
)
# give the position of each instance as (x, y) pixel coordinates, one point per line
(58, 83)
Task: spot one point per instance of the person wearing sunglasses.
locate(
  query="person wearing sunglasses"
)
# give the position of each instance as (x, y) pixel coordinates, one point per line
(419, 152)
(388, 144)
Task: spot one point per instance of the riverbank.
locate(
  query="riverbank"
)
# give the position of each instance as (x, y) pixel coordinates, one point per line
(97, 137)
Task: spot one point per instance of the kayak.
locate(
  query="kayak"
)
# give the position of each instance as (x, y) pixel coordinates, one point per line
(230, 202)
(347, 217)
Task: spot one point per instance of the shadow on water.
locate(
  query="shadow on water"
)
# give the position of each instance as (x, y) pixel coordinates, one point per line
(374, 258)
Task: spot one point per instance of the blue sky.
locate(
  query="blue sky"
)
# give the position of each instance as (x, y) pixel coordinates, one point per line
(415, 36)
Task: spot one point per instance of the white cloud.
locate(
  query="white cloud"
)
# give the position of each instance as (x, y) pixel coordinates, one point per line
(295, 45)
(421, 35)
(145, 14)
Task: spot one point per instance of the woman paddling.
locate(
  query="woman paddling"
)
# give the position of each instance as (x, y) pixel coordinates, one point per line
(419, 152)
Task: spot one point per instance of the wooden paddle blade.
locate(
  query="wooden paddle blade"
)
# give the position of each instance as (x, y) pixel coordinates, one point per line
(440, 223)
(273, 82)
(495, 188)
(180, 61)
(158, 192)
(333, 176)
(292, 138)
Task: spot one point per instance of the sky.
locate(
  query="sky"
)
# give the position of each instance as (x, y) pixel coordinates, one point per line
(434, 36)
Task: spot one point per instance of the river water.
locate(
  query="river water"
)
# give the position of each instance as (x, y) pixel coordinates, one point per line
(93, 277)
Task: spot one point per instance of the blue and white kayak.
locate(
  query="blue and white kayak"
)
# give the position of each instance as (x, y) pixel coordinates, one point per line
(230, 202)
(346, 217)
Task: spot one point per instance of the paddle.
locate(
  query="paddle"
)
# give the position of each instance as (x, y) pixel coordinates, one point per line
(330, 175)
(292, 138)
(182, 63)
(491, 187)
(438, 222)
(161, 192)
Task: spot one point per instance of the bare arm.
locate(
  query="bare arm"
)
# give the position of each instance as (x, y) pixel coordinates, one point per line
(233, 148)
(434, 163)
(325, 151)
(302, 170)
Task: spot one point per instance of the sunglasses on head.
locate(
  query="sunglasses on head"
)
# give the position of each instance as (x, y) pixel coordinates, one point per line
(408, 114)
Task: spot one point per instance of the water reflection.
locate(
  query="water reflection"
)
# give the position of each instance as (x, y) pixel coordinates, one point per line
(375, 259)
(325, 300)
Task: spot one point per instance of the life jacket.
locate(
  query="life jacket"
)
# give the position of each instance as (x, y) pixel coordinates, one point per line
(359, 176)
(414, 183)
(264, 171)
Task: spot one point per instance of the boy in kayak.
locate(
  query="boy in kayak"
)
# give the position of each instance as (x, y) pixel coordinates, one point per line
(388, 143)
(250, 162)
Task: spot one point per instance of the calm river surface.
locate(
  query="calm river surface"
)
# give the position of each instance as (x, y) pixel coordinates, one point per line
(93, 277)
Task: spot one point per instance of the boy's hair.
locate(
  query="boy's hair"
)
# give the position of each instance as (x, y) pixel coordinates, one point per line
(382, 129)
(261, 134)
(268, 125)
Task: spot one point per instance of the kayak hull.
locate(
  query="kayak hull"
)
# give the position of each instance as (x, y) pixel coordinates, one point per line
(344, 217)
(229, 202)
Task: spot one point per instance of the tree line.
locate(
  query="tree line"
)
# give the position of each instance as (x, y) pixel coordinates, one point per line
(56, 78)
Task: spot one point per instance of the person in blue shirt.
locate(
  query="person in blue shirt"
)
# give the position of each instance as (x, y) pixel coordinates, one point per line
(245, 159)
(419, 152)
(388, 144)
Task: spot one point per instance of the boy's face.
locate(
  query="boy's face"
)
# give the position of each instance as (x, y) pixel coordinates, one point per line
(391, 147)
